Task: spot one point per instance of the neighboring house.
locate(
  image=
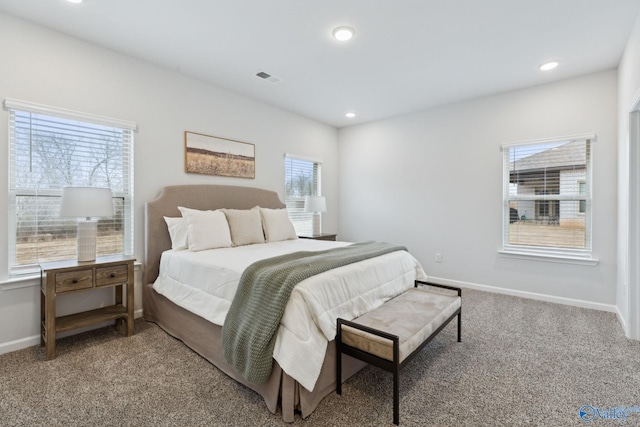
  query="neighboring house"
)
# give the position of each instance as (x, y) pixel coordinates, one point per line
(559, 170)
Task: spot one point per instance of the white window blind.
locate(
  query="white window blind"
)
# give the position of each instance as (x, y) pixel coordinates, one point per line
(302, 178)
(547, 196)
(49, 149)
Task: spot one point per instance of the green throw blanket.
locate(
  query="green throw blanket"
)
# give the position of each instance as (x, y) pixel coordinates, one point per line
(250, 328)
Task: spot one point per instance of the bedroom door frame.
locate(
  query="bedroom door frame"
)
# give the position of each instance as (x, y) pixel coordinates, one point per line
(633, 260)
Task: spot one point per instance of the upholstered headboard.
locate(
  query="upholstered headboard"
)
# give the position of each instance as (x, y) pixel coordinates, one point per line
(203, 197)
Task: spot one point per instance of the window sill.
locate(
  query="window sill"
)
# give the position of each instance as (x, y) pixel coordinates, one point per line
(562, 259)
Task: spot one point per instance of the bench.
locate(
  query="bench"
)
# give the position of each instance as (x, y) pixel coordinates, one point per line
(392, 334)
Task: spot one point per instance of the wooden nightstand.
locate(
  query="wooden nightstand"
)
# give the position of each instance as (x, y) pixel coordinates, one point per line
(321, 236)
(65, 277)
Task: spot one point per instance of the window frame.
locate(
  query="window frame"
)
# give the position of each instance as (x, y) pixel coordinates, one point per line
(13, 106)
(582, 256)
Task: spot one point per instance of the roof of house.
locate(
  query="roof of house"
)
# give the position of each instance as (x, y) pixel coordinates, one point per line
(566, 156)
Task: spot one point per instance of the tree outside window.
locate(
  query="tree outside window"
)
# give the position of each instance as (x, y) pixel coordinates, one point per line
(302, 178)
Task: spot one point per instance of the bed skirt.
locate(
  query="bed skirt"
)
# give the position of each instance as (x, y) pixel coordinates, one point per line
(205, 338)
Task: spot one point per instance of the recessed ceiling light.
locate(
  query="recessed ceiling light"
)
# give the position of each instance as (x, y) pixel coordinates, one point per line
(350, 115)
(75, 1)
(343, 33)
(549, 65)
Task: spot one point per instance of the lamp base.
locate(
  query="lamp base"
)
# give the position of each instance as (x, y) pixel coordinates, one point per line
(87, 239)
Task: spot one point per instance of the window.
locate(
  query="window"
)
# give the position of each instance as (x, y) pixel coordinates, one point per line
(547, 197)
(582, 187)
(547, 208)
(302, 178)
(50, 148)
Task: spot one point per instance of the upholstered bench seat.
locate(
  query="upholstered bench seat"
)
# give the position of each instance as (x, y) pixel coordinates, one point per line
(412, 316)
(392, 334)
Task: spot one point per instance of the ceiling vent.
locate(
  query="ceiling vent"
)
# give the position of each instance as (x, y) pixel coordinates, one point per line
(268, 77)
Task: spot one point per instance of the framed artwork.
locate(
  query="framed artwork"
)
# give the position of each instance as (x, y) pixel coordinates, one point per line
(210, 155)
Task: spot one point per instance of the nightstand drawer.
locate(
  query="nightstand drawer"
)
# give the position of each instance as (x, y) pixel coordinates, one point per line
(112, 275)
(73, 280)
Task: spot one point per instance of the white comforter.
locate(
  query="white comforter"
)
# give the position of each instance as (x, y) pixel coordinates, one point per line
(205, 283)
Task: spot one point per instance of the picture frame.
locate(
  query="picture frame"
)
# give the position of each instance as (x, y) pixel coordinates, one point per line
(212, 155)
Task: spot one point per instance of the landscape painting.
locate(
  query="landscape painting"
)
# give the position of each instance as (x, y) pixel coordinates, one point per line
(210, 155)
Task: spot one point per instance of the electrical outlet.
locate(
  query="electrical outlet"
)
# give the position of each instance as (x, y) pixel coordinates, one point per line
(438, 257)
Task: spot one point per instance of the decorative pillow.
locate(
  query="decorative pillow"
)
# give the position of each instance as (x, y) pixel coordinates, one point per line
(206, 229)
(277, 225)
(178, 233)
(245, 226)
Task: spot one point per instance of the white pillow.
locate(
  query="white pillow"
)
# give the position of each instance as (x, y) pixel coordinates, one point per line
(277, 225)
(245, 226)
(178, 233)
(206, 229)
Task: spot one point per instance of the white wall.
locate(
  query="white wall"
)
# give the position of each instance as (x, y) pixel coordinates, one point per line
(432, 180)
(46, 67)
(628, 290)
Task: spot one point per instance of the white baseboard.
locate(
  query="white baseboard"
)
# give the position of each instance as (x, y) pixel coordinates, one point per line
(34, 340)
(8, 347)
(531, 295)
(623, 323)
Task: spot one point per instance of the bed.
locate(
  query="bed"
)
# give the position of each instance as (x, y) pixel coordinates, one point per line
(284, 388)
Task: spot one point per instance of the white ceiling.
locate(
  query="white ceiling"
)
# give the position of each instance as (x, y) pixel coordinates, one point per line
(406, 55)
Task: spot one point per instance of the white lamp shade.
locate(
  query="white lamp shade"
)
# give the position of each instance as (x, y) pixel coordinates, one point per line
(86, 202)
(315, 204)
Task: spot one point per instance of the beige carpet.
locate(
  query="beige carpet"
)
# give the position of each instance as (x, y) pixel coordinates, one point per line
(520, 362)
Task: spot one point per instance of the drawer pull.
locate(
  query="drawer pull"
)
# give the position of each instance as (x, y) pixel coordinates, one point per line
(112, 275)
(74, 281)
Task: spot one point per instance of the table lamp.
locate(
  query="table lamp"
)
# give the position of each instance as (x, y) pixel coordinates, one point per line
(315, 204)
(86, 203)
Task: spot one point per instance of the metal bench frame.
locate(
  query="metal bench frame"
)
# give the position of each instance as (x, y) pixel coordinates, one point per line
(394, 365)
